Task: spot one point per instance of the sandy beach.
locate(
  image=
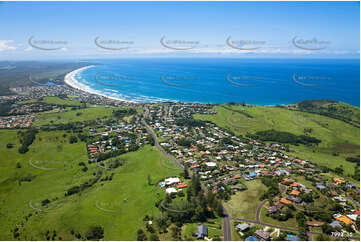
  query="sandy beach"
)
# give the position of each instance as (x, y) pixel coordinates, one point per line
(70, 80)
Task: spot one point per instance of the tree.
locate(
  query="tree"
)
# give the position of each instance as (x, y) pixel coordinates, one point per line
(141, 236)
(186, 173)
(149, 180)
(219, 209)
(95, 233)
(154, 237)
(339, 170)
(23, 149)
(326, 228)
(73, 139)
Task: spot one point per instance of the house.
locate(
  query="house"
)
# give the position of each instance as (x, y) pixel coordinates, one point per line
(295, 193)
(335, 224)
(182, 185)
(170, 190)
(211, 164)
(340, 199)
(252, 238)
(344, 219)
(294, 199)
(202, 231)
(352, 217)
(338, 181)
(285, 201)
(262, 234)
(320, 186)
(242, 227)
(171, 180)
(315, 223)
(275, 207)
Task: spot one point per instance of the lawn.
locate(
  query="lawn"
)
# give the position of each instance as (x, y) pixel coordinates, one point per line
(290, 223)
(69, 116)
(235, 234)
(244, 204)
(214, 229)
(337, 136)
(118, 205)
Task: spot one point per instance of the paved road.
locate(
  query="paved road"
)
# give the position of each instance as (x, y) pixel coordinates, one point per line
(309, 234)
(265, 224)
(259, 209)
(227, 230)
(156, 144)
(226, 220)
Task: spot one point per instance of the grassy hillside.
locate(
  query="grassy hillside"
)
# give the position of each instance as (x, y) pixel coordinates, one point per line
(338, 110)
(69, 115)
(51, 167)
(339, 139)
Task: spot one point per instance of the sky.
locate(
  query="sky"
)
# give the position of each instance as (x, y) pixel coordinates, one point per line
(83, 30)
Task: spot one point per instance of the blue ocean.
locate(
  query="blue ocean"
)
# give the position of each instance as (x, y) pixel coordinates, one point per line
(221, 80)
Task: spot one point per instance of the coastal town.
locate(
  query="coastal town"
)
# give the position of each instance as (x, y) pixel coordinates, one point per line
(322, 202)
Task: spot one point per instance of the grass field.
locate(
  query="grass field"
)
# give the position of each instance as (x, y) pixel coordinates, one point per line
(60, 101)
(244, 204)
(69, 116)
(214, 229)
(337, 136)
(54, 100)
(117, 205)
(290, 223)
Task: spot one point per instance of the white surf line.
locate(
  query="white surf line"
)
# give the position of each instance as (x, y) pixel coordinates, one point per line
(70, 80)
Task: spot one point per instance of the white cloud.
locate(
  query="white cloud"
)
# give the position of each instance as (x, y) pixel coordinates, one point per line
(4, 45)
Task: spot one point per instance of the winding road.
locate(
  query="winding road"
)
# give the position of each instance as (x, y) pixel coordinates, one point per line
(226, 220)
(156, 144)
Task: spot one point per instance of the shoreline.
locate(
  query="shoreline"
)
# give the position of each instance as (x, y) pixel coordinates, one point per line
(71, 81)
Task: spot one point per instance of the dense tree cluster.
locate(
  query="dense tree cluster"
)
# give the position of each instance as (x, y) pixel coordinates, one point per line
(120, 113)
(199, 205)
(189, 122)
(285, 137)
(271, 183)
(26, 139)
